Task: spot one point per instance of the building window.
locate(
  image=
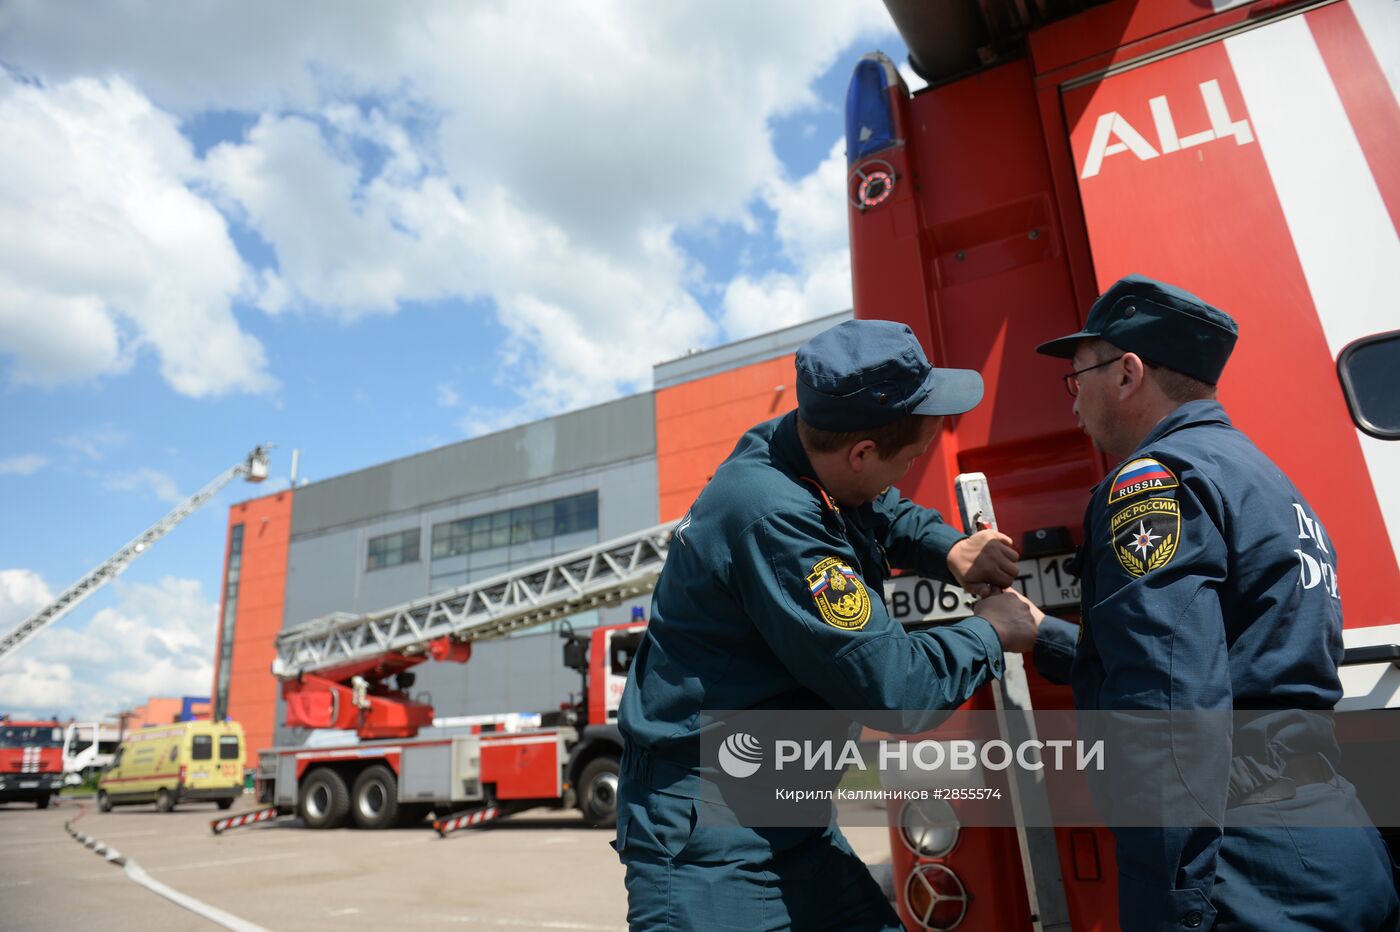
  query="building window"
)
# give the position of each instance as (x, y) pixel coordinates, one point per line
(523, 525)
(475, 548)
(392, 549)
(233, 572)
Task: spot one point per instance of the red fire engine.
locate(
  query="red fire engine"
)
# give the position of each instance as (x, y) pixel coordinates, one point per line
(354, 673)
(1247, 151)
(31, 761)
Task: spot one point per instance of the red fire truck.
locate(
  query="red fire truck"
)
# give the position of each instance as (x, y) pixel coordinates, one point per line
(1247, 151)
(31, 761)
(354, 673)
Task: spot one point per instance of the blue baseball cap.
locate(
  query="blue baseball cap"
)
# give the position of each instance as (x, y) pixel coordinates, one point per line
(1162, 323)
(863, 374)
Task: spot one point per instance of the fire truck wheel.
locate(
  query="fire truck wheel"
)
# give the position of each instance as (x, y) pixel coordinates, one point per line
(104, 802)
(324, 801)
(165, 800)
(374, 802)
(43, 802)
(597, 794)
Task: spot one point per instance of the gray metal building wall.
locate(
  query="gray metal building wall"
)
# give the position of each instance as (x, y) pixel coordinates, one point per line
(609, 449)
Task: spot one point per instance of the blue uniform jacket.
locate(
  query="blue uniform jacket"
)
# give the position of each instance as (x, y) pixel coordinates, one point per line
(772, 598)
(1207, 583)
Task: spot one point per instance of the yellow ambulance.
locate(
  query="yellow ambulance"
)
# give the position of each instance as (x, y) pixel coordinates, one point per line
(170, 764)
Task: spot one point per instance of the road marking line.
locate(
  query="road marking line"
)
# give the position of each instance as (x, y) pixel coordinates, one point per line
(136, 874)
(198, 907)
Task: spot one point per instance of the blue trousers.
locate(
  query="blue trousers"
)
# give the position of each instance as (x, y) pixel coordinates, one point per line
(685, 873)
(1296, 875)
(1289, 868)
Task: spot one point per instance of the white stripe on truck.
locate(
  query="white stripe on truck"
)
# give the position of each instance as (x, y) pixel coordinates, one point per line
(1348, 248)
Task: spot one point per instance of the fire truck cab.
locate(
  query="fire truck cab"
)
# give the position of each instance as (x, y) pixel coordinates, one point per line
(31, 761)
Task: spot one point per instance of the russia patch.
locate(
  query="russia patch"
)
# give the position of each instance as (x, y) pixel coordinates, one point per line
(1141, 475)
(839, 594)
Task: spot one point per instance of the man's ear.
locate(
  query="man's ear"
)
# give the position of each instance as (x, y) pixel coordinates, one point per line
(1132, 376)
(858, 455)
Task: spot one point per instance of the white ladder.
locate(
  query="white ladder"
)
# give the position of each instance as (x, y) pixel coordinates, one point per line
(593, 577)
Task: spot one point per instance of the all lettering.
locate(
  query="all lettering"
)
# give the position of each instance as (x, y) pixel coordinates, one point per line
(1314, 570)
(1114, 135)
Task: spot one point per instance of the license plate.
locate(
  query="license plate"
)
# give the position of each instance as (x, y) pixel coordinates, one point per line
(28, 784)
(201, 775)
(1046, 581)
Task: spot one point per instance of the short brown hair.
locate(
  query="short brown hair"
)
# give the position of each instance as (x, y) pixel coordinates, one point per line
(1177, 386)
(888, 440)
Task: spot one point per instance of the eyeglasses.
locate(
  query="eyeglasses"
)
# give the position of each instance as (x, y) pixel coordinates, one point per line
(1072, 379)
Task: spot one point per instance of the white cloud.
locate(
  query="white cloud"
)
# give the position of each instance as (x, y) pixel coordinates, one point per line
(447, 396)
(811, 227)
(541, 156)
(157, 641)
(911, 79)
(253, 55)
(581, 325)
(105, 251)
(95, 442)
(22, 593)
(26, 464)
(151, 481)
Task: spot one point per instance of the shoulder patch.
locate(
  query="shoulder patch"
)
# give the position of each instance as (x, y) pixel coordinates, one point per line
(1141, 475)
(839, 594)
(1144, 534)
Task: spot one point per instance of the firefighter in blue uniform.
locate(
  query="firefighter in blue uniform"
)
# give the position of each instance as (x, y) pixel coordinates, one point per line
(1209, 583)
(772, 598)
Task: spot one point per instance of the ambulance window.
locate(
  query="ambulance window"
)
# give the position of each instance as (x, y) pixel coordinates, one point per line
(1370, 374)
(228, 747)
(202, 748)
(174, 753)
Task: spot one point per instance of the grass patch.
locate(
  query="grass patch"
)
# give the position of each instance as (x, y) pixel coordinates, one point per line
(87, 788)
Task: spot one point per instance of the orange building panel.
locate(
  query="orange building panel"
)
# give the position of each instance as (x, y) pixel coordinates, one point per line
(698, 424)
(162, 710)
(257, 604)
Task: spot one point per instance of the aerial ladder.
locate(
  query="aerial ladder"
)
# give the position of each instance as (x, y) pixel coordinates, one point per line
(253, 468)
(349, 671)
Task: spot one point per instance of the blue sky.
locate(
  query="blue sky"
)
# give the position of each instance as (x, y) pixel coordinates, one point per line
(364, 230)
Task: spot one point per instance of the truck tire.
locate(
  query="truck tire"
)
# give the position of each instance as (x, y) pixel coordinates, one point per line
(324, 802)
(223, 803)
(597, 792)
(43, 802)
(374, 801)
(104, 802)
(165, 800)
